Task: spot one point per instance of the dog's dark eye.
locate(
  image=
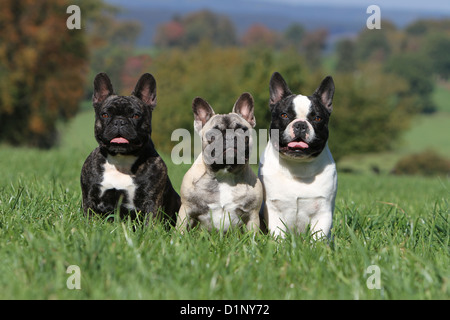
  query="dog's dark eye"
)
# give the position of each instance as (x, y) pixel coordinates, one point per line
(284, 115)
(105, 115)
(136, 116)
(317, 119)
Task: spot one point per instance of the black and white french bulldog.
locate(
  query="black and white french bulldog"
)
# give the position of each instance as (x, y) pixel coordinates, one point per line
(125, 168)
(220, 190)
(297, 170)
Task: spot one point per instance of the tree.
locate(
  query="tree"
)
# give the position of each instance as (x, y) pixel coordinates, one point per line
(370, 112)
(42, 69)
(220, 76)
(313, 44)
(111, 42)
(415, 68)
(437, 48)
(259, 35)
(373, 44)
(346, 60)
(169, 34)
(194, 28)
(132, 69)
(294, 34)
(423, 27)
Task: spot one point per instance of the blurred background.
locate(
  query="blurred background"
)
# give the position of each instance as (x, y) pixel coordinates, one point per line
(392, 101)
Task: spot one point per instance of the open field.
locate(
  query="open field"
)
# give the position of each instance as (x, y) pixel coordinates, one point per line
(398, 224)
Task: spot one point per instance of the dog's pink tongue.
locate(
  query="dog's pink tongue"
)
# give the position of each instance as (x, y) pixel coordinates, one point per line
(119, 140)
(298, 145)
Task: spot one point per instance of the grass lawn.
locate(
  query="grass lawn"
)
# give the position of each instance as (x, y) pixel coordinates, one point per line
(400, 225)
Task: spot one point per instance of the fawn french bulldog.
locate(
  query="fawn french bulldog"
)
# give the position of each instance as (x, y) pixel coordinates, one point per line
(220, 190)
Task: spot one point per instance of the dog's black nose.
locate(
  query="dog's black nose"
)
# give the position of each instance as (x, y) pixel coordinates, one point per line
(300, 127)
(119, 122)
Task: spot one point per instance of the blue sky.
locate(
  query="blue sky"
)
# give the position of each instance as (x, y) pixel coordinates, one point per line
(442, 6)
(428, 5)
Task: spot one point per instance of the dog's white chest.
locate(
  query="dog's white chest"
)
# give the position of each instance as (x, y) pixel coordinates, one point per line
(226, 197)
(117, 175)
(295, 202)
(224, 213)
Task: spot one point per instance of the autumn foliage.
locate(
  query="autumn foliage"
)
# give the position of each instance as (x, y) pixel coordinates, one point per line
(42, 68)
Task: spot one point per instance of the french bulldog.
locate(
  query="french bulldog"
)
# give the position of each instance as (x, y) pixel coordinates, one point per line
(297, 169)
(125, 172)
(220, 190)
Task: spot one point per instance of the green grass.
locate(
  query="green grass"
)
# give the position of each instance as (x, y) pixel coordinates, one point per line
(400, 224)
(441, 97)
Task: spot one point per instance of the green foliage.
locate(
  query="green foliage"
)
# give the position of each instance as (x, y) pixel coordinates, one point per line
(220, 76)
(373, 44)
(346, 59)
(369, 113)
(313, 44)
(417, 54)
(427, 163)
(294, 34)
(423, 27)
(437, 47)
(111, 42)
(416, 69)
(181, 76)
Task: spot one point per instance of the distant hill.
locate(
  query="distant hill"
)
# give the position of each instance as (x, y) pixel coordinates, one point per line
(340, 21)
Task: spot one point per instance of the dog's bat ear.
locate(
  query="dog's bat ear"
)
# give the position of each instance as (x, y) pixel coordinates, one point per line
(278, 88)
(326, 93)
(202, 113)
(244, 107)
(102, 88)
(146, 90)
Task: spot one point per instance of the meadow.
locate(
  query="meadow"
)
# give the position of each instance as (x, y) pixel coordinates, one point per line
(400, 225)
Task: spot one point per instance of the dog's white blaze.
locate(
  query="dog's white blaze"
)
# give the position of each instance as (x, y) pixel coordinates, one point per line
(117, 175)
(302, 106)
